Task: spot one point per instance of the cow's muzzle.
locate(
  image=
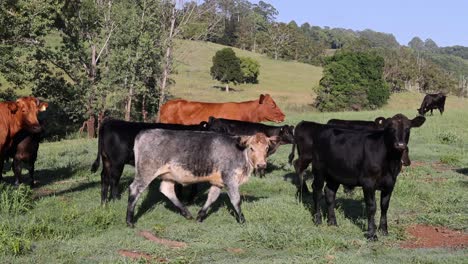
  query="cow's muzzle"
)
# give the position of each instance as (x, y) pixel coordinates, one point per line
(261, 166)
(35, 129)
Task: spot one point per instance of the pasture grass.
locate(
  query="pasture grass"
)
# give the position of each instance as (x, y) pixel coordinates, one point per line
(62, 221)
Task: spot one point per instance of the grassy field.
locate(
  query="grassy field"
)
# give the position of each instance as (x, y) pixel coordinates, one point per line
(61, 221)
(289, 81)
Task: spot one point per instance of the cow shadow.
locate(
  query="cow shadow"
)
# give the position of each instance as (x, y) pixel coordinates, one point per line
(293, 178)
(463, 171)
(155, 197)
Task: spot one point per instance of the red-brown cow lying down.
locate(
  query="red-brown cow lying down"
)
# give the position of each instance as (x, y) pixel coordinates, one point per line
(15, 116)
(185, 112)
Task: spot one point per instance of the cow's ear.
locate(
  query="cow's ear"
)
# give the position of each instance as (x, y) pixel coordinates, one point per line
(242, 142)
(13, 107)
(262, 97)
(380, 120)
(43, 106)
(418, 121)
(204, 124)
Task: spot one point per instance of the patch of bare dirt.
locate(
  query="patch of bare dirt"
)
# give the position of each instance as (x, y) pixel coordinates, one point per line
(424, 236)
(437, 165)
(170, 243)
(133, 254)
(235, 250)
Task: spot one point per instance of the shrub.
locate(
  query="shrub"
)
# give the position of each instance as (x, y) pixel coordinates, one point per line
(352, 81)
(226, 67)
(250, 70)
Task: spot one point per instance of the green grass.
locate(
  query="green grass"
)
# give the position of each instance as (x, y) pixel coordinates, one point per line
(64, 221)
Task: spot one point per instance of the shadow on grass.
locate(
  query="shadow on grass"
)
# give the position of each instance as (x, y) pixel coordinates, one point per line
(463, 171)
(223, 88)
(154, 197)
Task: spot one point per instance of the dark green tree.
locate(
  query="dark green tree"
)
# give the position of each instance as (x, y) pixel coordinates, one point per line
(352, 81)
(416, 43)
(250, 70)
(226, 67)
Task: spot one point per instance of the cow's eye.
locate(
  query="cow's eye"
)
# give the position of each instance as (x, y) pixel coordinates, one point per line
(251, 149)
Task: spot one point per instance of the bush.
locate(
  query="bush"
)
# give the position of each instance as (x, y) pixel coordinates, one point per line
(352, 81)
(226, 67)
(250, 70)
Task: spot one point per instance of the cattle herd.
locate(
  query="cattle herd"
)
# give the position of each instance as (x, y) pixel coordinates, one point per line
(223, 143)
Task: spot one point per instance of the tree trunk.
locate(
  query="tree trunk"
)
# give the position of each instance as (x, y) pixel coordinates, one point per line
(276, 54)
(255, 43)
(144, 113)
(227, 87)
(128, 107)
(167, 61)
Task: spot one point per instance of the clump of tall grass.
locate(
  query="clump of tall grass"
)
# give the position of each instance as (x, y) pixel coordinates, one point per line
(15, 200)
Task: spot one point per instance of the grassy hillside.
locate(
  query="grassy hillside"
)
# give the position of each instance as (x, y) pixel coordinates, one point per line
(65, 223)
(288, 82)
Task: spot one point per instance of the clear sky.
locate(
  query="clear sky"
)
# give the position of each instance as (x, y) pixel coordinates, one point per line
(444, 21)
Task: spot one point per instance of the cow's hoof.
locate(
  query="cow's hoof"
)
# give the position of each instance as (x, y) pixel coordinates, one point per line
(318, 220)
(332, 223)
(201, 216)
(241, 219)
(130, 224)
(371, 237)
(187, 215)
(383, 231)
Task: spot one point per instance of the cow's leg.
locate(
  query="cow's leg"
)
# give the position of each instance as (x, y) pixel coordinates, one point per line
(317, 186)
(1, 163)
(105, 176)
(330, 195)
(431, 112)
(136, 188)
(234, 196)
(300, 166)
(167, 188)
(369, 197)
(31, 174)
(213, 195)
(115, 174)
(441, 110)
(384, 204)
(17, 171)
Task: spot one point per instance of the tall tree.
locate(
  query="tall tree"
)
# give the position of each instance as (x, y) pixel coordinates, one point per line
(226, 67)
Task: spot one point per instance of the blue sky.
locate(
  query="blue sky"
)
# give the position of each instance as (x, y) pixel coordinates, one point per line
(445, 22)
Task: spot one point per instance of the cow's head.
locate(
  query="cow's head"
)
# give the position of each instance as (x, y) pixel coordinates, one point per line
(25, 110)
(256, 147)
(398, 130)
(267, 109)
(421, 111)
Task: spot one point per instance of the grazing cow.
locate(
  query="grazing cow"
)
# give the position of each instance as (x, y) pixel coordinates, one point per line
(188, 157)
(367, 158)
(15, 116)
(431, 102)
(115, 148)
(188, 113)
(24, 150)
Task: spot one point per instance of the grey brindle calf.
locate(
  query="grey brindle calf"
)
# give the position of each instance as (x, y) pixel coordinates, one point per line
(189, 157)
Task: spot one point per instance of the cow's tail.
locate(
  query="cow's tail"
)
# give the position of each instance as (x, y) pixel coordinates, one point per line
(95, 165)
(291, 156)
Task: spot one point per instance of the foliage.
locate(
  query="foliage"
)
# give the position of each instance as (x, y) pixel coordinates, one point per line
(352, 81)
(448, 138)
(250, 69)
(8, 95)
(226, 67)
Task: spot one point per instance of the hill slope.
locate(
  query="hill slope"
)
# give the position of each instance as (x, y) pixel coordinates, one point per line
(289, 82)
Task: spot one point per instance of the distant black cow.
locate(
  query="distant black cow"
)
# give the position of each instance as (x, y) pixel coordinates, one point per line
(431, 102)
(115, 148)
(24, 151)
(283, 134)
(371, 159)
(188, 157)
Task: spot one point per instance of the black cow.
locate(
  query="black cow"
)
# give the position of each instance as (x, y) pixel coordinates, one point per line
(115, 148)
(188, 157)
(371, 159)
(431, 102)
(378, 123)
(283, 134)
(24, 151)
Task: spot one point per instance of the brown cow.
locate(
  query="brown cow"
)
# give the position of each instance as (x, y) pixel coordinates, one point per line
(15, 116)
(191, 113)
